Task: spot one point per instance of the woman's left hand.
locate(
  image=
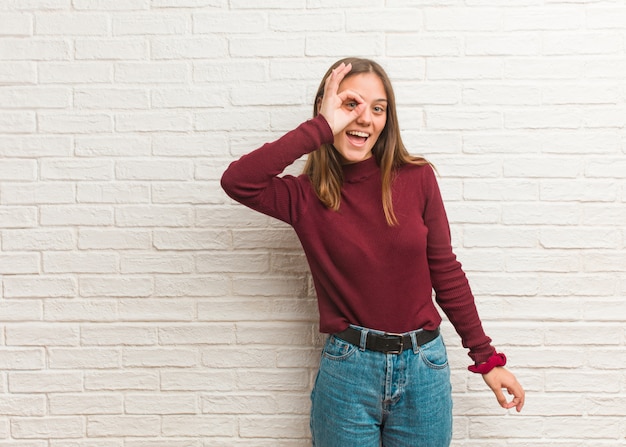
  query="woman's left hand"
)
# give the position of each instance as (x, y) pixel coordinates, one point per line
(500, 378)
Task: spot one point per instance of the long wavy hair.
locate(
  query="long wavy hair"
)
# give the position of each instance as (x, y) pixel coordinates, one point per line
(323, 166)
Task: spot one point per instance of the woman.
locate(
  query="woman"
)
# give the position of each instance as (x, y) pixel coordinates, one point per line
(375, 233)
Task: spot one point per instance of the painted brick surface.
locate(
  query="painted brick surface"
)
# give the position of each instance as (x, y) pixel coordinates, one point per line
(140, 307)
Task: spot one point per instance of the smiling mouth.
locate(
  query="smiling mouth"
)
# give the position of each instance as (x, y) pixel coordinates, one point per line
(357, 138)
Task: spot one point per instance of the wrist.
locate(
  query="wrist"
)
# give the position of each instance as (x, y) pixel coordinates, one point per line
(497, 359)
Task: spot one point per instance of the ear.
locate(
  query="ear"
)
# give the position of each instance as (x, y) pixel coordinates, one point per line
(318, 104)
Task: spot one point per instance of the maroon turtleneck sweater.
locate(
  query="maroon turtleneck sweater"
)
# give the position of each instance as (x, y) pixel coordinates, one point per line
(365, 272)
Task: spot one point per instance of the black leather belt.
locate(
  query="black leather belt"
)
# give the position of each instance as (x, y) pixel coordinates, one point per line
(387, 343)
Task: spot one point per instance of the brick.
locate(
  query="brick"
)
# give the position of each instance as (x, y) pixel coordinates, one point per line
(189, 98)
(75, 123)
(147, 310)
(150, 24)
(17, 122)
(124, 286)
(159, 358)
(76, 169)
(189, 48)
(192, 239)
(35, 335)
(186, 3)
(189, 146)
(72, 262)
(239, 404)
(151, 72)
(542, 68)
(64, 215)
(118, 192)
(45, 382)
(108, 98)
(204, 334)
(190, 285)
(199, 426)
(16, 25)
(19, 263)
(108, 5)
(31, 286)
(22, 359)
(151, 216)
(37, 193)
(230, 70)
(35, 97)
(195, 193)
(205, 380)
(549, 18)
(33, 49)
(11, 405)
(231, 120)
(113, 239)
(112, 335)
(308, 21)
(79, 310)
(36, 240)
(33, 146)
(231, 22)
(123, 426)
(169, 403)
(112, 146)
(153, 170)
(580, 238)
(159, 263)
(326, 45)
(84, 358)
(71, 24)
(122, 380)
(18, 170)
(153, 122)
(519, 44)
(18, 72)
(391, 20)
(75, 72)
(267, 47)
(48, 428)
(474, 68)
(85, 404)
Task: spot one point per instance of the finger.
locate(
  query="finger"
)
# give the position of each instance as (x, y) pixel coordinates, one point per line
(501, 398)
(336, 76)
(518, 397)
(349, 95)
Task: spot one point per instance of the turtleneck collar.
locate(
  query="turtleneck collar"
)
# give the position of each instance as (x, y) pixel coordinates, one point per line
(356, 172)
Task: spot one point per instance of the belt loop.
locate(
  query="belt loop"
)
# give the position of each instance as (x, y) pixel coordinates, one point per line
(416, 347)
(363, 342)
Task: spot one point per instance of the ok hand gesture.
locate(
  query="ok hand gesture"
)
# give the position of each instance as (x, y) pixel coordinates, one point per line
(340, 108)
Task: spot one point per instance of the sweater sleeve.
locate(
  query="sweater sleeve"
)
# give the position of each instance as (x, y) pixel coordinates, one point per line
(452, 289)
(254, 180)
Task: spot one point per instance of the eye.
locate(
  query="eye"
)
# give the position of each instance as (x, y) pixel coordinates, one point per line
(351, 104)
(379, 109)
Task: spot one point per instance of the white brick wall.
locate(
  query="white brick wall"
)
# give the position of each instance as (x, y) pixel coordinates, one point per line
(140, 307)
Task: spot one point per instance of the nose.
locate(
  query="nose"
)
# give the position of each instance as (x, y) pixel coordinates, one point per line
(365, 117)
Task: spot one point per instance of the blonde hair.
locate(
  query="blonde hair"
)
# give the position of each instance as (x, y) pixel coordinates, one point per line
(323, 166)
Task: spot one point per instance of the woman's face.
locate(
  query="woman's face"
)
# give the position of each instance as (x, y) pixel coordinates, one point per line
(356, 141)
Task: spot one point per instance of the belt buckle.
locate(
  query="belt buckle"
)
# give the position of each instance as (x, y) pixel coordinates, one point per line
(392, 336)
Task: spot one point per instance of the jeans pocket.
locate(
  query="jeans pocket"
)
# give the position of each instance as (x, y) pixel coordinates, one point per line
(337, 349)
(434, 354)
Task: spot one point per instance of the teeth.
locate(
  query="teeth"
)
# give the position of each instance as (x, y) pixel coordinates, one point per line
(358, 134)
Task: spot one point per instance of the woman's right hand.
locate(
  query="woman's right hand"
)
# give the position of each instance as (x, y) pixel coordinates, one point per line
(340, 108)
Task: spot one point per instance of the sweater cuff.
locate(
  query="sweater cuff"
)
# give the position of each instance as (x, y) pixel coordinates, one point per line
(327, 132)
(497, 359)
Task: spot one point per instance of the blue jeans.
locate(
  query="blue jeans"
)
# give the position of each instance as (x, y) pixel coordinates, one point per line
(364, 398)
